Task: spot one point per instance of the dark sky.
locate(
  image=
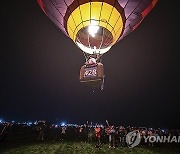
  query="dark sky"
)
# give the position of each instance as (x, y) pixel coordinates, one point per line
(39, 71)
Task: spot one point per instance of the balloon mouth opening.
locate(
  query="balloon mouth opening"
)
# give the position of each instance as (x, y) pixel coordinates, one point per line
(94, 39)
(94, 50)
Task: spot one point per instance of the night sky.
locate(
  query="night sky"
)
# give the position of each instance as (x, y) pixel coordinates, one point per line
(39, 71)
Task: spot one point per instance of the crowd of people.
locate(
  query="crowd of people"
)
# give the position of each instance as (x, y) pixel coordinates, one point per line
(114, 136)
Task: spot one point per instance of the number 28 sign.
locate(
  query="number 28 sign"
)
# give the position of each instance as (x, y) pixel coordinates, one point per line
(90, 72)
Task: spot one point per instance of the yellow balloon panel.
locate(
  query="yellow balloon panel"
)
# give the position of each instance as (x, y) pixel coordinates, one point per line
(77, 17)
(115, 20)
(71, 26)
(116, 37)
(85, 11)
(95, 13)
(96, 10)
(106, 12)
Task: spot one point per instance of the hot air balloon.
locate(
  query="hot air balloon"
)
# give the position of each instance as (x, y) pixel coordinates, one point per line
(95, 26)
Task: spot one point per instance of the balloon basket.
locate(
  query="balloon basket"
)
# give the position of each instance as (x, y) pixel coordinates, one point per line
(92, 75)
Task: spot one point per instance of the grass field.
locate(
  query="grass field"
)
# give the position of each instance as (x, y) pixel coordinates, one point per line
(28, 144)
(79, 148)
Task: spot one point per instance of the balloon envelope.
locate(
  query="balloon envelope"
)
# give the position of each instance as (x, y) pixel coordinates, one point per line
(96, 25)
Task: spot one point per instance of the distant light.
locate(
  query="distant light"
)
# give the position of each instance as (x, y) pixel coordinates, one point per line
(29, 123)
(13, 121)
(102, 125)
(1, 121)
(63, 124)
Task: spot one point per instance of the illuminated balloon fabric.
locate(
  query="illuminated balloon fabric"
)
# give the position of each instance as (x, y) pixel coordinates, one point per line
(96, 25)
